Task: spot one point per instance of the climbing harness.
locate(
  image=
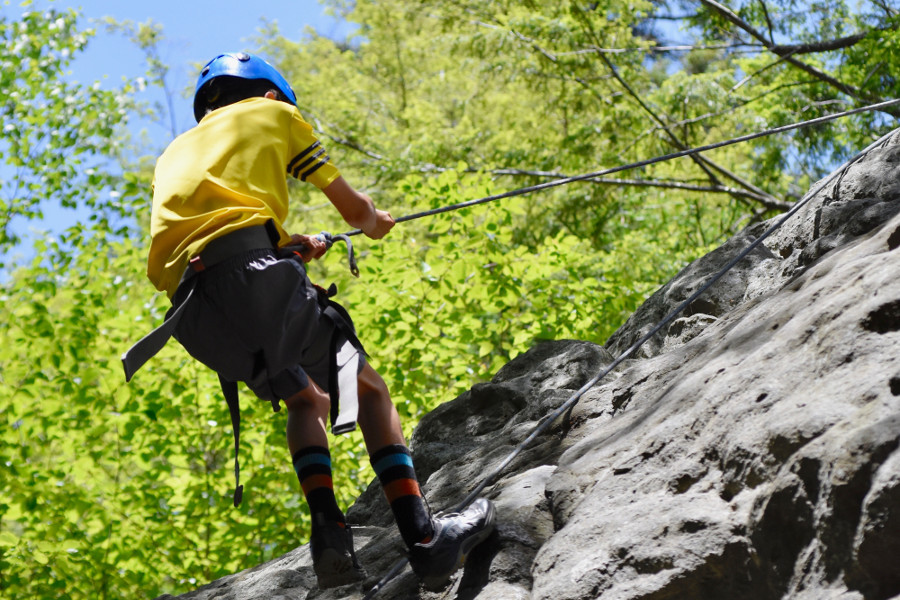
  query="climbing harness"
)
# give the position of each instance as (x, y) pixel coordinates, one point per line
(570, 403)
(344, 360)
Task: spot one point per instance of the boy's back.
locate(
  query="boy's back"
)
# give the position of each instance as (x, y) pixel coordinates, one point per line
(227, 173)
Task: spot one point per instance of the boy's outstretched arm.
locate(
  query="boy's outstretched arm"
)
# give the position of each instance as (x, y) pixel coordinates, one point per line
(358, 210)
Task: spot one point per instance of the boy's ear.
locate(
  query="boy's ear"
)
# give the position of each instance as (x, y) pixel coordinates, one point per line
(271, 95)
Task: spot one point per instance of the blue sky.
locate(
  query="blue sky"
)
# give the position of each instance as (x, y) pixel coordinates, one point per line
(194, 31)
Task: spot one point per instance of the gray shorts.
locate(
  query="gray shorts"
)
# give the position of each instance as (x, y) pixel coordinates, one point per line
(257, 318)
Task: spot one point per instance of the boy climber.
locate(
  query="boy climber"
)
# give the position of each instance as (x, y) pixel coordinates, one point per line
(243, 305)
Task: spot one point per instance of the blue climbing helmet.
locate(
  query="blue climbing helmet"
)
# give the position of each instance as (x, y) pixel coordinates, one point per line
(242, 66)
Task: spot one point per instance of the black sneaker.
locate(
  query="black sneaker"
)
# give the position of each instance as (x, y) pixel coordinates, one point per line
(455, 535)
(334, 560)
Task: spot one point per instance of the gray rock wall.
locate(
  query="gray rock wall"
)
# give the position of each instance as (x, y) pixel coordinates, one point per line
(749, 452)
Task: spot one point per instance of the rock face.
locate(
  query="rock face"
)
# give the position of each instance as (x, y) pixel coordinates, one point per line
(749, 452)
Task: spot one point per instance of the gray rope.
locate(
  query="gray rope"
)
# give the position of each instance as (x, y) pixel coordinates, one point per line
(639, 164)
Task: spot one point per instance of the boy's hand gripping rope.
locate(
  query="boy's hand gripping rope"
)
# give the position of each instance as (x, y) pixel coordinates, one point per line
(569, 404)
(329, 240)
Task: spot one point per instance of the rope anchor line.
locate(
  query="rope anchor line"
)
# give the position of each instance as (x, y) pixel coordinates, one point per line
(570, 403)
(643, 163)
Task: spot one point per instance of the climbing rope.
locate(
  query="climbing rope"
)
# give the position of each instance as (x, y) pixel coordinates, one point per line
(570, 403)
(636, 165)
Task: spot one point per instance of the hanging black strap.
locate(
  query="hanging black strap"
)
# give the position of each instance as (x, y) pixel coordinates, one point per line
(338, 315)
(230, 391)
(150, 345)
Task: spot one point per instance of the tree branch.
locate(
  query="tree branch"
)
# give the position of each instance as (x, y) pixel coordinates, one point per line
(874, 70)
(766, 200)
(664, 49)
(704, 163)
(780, 60)
(887, 9)
(665, 128)
(672, 17)
(768, 21)
(720, 113)
(845, 88)
(810, 48)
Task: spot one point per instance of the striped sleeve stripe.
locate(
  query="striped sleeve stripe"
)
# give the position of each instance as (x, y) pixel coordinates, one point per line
(300, 156)
(316, 161)
(314, 168)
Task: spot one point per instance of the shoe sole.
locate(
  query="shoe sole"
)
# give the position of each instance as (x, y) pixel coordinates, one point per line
(437, 582)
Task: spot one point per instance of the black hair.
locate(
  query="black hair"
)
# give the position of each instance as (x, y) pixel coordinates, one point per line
(225, 89)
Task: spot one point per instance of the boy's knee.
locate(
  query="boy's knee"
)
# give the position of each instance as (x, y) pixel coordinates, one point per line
(371, 385)
(310, 398)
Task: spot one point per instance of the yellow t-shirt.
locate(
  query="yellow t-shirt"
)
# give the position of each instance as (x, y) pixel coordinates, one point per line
(229, 172)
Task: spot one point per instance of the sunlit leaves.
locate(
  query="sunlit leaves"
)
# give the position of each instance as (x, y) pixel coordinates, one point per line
(115, 489)
(56, 136)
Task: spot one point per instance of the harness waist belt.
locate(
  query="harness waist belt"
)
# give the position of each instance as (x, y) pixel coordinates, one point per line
(236, 242)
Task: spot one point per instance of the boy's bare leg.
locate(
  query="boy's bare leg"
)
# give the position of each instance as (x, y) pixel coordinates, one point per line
(331, 542)
(391, 459)
(308, 411)
(378, 418)
(308, 444)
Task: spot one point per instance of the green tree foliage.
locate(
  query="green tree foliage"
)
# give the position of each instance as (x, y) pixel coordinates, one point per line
(56, 135)
(812, 58)
(116, 490)
(435, 102)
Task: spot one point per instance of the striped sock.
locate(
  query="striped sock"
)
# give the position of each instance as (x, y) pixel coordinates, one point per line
(394, 467)
(313, 467)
